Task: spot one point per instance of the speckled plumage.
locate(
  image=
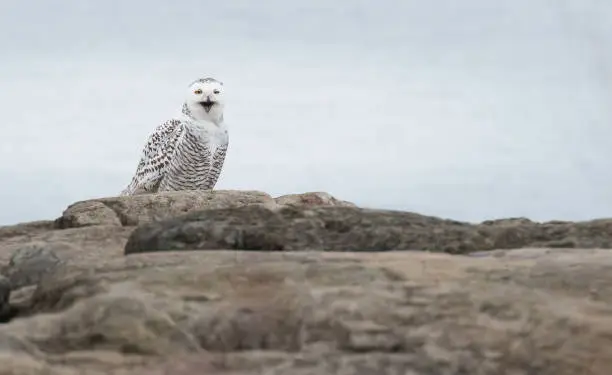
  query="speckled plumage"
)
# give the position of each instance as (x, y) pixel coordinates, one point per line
(186, 153)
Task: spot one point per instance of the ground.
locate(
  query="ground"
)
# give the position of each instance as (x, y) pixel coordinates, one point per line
(235, 282)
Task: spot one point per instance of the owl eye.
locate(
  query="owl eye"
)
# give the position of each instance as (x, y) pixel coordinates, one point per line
(198, 92)
(217, 92)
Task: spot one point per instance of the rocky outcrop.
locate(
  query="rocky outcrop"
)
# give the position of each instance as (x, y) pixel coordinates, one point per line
(292, 228)
(73, 303)
(139, 209)
(355, 229)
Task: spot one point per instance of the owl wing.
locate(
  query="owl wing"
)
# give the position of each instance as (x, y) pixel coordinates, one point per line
(156, 155)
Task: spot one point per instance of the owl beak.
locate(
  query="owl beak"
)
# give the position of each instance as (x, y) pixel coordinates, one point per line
(208, 104)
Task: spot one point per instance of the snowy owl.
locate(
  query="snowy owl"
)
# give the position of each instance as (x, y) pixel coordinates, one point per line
(187, 152)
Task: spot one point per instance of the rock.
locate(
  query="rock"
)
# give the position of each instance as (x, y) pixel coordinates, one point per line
(16, 345)
(25, 229)
(5, 293)
(11, 364)
(139, 209)
(291, 228)
(74, 245)
(557, 234)
(511, 309)
(325, 313)
(311, 200)
(134, 210)
(82, 214)
(131, 324)
(353, 229)
(29, 263)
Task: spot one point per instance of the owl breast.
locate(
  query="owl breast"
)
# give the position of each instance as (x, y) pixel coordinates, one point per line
(197, 162)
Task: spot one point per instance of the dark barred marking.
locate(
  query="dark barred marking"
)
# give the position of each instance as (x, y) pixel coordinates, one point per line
(186, 111)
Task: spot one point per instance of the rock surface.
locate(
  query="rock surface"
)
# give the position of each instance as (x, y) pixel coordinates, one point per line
(138, 209)
(83, 307)
(311, 200)
(29, 263)
(134, 210)
(355, 229)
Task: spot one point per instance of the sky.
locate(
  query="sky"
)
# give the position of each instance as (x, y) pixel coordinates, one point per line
(470, 110)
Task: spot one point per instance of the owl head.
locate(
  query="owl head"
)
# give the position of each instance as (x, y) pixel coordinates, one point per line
(205, 100)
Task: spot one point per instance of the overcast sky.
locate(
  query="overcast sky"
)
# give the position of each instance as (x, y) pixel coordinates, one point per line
(471, 109)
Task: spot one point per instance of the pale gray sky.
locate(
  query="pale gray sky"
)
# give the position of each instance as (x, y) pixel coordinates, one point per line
(471, 109)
